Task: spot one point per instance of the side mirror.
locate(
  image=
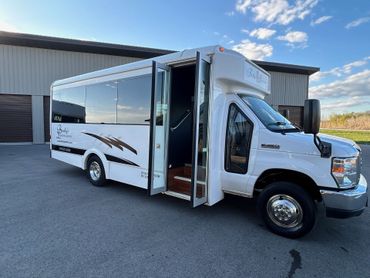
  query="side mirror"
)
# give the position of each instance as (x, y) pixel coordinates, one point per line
(312, 116)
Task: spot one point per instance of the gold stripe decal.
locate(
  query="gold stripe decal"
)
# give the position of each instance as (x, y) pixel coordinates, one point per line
(112, 142)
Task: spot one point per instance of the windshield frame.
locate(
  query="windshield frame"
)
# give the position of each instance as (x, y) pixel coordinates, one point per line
(275, 126)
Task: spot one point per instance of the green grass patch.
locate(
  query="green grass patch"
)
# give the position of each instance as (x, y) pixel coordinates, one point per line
(359, 136)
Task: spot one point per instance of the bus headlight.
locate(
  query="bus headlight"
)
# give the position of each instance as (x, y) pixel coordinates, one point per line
(345, 171)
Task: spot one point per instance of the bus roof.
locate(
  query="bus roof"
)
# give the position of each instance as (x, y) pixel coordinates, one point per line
(244, 70)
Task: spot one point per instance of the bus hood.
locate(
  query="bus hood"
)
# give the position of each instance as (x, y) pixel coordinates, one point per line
(301, 143)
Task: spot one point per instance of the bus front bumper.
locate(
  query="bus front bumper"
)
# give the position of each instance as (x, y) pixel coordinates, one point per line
(346, 203)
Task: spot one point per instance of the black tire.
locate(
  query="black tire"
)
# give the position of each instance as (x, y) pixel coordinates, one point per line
(282, 202)
(94, 164)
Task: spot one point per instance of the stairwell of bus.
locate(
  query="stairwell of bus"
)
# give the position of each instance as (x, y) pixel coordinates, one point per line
(181, 129)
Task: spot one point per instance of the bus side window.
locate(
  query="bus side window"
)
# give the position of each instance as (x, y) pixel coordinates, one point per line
(101, 102)
(133, 101)
(69, 105)
(238, 140)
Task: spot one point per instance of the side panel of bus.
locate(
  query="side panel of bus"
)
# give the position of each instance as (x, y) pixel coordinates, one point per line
(106, 116)
(123, 149)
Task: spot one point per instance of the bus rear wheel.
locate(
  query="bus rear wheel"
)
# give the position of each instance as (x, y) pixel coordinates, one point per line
(95, 171)
(287, 209)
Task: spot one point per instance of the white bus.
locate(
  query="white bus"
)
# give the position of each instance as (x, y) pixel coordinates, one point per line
(194, 125)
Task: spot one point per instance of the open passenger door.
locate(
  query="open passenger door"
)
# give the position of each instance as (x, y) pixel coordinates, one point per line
(159, 127)
(200, 132)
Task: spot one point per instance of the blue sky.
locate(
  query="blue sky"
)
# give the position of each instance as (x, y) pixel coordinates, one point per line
(332, 35)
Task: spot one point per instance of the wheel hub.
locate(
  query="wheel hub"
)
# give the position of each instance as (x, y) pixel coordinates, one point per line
(284, 211)
(95, 170)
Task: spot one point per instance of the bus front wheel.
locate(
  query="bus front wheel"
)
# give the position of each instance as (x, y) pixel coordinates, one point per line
(287, 209)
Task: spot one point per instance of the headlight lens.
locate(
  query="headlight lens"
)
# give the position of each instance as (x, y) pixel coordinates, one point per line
(345, 171)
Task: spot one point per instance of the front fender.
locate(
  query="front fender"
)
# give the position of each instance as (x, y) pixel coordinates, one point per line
(314, 166)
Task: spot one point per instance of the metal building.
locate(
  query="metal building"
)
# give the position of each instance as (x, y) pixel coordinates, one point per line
(30, 63)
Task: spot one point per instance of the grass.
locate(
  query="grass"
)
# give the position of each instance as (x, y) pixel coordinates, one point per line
(357, 121)
(359, 136)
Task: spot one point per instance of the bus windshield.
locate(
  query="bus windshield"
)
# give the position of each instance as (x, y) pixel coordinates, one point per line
(270, 118)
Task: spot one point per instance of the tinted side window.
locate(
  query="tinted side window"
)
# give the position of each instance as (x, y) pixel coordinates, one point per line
(133, 105)
(238, 139)
(101, 100)
(69, 105)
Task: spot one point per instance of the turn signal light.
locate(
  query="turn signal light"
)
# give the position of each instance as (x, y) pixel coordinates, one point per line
(338, 169)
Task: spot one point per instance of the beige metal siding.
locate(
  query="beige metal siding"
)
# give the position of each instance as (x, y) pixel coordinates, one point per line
(288, 89)
(29, 70)
(47, 118)
(37, 115)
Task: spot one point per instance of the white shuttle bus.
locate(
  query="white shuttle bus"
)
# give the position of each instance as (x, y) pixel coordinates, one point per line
(194, 125)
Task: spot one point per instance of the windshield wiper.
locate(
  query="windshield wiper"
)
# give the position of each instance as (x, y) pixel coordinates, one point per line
(296, 126)
(277, 124)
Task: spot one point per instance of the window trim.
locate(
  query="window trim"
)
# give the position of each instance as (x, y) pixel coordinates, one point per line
(233, 104)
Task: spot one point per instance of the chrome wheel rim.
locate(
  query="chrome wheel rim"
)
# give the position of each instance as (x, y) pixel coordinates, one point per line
(95, 170)
(284, 211)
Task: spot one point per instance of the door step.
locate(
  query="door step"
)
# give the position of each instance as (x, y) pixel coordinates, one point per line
(179, 180)
(182, 178)
(187, 180)
(177, 195)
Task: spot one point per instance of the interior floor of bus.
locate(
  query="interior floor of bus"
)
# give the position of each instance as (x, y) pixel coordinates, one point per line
(181, 129)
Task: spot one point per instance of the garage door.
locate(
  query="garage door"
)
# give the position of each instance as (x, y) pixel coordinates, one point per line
(47, 118)
(292, 113)
(15, 118)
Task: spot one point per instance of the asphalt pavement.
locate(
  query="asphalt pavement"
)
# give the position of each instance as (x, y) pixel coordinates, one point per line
(53, 223)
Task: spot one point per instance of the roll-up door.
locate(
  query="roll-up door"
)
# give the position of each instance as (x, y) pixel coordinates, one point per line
(47, 118)
(15, 118)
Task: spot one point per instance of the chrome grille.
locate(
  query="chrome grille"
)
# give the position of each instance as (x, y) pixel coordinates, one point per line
(359, 167)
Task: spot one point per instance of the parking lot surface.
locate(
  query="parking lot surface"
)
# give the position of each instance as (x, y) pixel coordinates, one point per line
(53, 223)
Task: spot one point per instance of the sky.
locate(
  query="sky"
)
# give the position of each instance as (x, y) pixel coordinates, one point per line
(333, 35)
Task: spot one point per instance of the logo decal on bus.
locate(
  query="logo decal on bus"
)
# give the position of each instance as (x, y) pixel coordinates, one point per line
(112, 142)
(62, 131)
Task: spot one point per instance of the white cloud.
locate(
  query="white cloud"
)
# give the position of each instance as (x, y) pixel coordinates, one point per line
(5, 26)
(253, 51)
(242, 5)
(295, 39)
(347, 95)
(262, 33)
(357, 22)
(276, 11)
(348, 67)
(270, 10)
(317, 76)
(339, 71)
(231, 42)
(321, 20)
(345, 103)
(232, 13)
(355, 85)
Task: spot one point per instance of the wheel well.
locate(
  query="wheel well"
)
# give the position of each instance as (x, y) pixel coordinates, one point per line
(273, 175)
(87, 159)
